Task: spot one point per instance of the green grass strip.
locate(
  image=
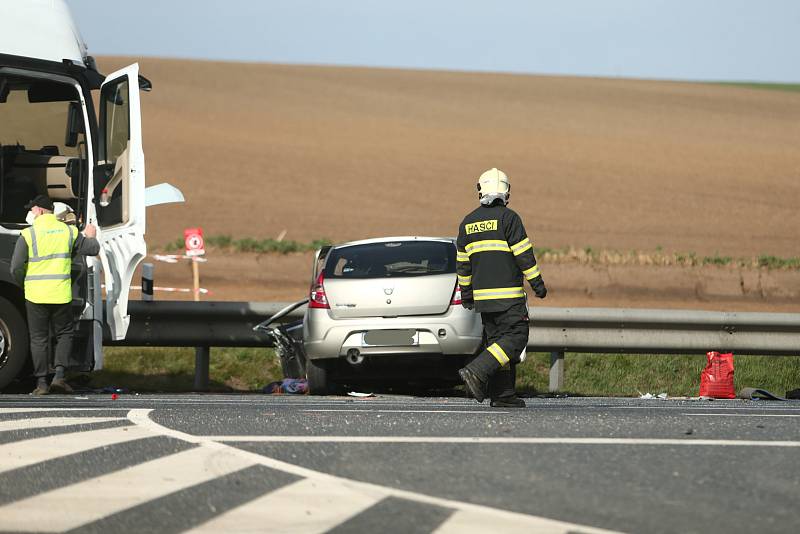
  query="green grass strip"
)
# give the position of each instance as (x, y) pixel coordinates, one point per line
(626, 375)
(587, 254)
(792, 87)
(249, 244)
(234, 369)
(593, 256)
(150, 369)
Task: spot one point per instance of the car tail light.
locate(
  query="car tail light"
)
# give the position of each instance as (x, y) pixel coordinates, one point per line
(456, 300)
(317, 298)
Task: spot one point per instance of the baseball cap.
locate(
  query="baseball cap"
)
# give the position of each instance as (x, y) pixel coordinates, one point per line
(42, 201)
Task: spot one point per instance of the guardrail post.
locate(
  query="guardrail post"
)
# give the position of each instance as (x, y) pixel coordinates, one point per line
(556, 371)
(202, 360)
(147, 281)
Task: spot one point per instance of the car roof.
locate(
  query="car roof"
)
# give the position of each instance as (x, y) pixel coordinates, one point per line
(393, 239)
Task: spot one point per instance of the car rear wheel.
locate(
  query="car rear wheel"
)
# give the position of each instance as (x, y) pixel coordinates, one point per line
(13, 342)
(317, 377)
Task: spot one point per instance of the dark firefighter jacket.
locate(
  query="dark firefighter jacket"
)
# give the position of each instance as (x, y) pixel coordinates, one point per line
(494, 258)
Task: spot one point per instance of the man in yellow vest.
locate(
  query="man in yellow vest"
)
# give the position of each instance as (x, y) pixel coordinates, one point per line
(41, 263)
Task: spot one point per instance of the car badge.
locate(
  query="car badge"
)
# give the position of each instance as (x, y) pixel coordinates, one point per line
(388, 290)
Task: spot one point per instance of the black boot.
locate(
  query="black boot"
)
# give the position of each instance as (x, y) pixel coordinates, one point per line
(502, 389)
(508, 402)
(474, 384)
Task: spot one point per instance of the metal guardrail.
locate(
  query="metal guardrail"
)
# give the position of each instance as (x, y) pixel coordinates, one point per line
(175, 323)
(196, 324)
(554, 330)
(640, 331)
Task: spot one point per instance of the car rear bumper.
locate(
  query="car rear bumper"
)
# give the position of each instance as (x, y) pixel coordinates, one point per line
(455, 333)
(429, 370)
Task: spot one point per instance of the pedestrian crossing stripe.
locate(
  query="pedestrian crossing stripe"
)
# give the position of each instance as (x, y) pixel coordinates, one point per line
(50, 422)
(324, 505)
(27, 452)
(316, 502)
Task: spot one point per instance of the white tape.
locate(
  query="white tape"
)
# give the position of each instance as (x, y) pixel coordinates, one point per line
(173, 258)
(203, 290)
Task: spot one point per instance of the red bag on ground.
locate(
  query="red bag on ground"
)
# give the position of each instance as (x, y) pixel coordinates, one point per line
(716, 380)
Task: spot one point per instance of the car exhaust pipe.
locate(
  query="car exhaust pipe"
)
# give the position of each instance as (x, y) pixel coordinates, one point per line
(354, 357)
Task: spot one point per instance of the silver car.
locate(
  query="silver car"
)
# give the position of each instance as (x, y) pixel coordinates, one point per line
(387, 311)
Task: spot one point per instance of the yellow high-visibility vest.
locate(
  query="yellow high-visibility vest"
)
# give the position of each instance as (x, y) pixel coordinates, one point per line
(47, 278)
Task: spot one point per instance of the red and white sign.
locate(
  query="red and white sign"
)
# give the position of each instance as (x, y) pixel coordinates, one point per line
(193, 239)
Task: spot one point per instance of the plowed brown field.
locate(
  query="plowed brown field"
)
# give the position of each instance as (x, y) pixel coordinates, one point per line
(347, 153)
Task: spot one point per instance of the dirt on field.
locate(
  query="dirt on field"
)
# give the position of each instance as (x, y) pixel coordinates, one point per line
(286, 278)
(349, 153)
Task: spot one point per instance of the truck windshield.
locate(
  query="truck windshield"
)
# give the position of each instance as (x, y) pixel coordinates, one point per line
(38, 156)
(392, 259)
(34, 125)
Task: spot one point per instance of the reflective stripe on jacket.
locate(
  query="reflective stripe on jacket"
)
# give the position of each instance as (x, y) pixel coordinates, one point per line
(494, 258)
(47, 277)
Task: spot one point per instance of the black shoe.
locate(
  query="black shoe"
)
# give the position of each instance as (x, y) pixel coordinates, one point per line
(508, 402)
(474, 384)
(40, 390)
(59, 385)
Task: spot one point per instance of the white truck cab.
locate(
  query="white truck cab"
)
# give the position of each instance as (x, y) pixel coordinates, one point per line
(53, 141)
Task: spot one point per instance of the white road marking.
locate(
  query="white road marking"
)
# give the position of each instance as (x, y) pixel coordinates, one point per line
(740, 415)
(468, 521)
(358, 410)
(33, 410)
(699, 407)
(128, 403)
(71, 506)
(504, 441)
(308, 506)
(32, 451)
(315, 504)
(141, 417)
(49, 422)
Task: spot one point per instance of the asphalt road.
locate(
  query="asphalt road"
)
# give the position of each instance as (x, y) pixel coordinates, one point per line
(254, 463)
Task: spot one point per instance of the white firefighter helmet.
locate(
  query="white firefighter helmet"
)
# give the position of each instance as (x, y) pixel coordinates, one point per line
(493, 184)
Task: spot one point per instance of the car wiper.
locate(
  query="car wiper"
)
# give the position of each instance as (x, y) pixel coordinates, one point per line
(407, 268)
(414, 269)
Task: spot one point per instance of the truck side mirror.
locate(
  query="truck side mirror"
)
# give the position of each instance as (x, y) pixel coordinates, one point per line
(74, 125)
(4, 90)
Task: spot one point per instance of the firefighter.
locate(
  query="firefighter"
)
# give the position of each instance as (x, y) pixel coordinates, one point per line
(494, 258)
(41, 264)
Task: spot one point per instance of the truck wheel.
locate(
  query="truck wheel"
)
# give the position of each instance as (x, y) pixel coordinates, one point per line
(13, 342)
(317, 377)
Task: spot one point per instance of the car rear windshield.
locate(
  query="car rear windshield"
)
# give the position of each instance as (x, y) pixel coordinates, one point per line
(392, 259)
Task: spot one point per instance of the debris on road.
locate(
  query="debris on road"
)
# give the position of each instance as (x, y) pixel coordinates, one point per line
(716, 379)
(292, 386)
(758, 394)
(662, 396)
(111, 389)
(359, 395)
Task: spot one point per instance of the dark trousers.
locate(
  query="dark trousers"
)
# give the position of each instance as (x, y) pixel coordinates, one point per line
(507, 330)
(40, 319)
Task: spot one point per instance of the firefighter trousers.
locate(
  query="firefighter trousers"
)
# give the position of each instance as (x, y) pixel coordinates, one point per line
(506, 337)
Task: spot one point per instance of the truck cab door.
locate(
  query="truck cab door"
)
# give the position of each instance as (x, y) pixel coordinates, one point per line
(119, 192)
